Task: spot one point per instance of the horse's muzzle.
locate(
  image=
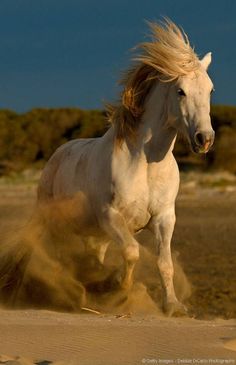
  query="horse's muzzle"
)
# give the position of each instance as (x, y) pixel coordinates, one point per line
(202, 141)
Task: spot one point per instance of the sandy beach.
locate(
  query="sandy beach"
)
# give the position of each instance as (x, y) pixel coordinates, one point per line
(137, 332)
(42, 337)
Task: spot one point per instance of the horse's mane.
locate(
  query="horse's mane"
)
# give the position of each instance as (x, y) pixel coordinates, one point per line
(167, 56)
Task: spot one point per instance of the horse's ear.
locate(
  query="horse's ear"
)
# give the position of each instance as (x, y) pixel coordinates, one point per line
(206, 60)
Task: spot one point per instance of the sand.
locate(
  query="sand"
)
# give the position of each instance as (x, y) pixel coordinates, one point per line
(43, 337)
(40, 337)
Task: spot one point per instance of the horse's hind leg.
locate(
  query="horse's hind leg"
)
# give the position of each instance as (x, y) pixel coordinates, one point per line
(115, 226)
(162, 226)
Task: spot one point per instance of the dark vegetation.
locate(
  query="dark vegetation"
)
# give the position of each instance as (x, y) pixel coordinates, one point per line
(28, 140)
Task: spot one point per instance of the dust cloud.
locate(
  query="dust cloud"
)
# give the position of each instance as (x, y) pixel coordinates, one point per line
(43, 270)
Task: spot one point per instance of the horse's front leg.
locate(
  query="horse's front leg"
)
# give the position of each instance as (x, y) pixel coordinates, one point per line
(96, 248)
(115, 226)
(163, 226)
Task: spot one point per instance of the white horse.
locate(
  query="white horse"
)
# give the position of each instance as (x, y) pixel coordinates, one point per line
(109, 188)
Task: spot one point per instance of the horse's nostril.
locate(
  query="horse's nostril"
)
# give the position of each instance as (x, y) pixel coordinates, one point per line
(199, 139)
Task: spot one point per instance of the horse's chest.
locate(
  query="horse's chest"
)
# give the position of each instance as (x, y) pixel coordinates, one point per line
(163, 184)
(145, 191)
(132, 201)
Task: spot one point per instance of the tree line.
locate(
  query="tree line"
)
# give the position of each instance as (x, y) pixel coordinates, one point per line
(28, 140)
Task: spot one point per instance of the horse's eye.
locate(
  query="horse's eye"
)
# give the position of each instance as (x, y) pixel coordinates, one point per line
(181, 92)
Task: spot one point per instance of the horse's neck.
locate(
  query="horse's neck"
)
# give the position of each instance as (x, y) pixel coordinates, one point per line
(156, 137)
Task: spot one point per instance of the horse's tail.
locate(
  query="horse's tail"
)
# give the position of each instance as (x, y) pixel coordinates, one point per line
(31, 274)
(22, 260)
(15, 254)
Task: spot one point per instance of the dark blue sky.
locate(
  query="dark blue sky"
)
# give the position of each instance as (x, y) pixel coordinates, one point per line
(57, 53)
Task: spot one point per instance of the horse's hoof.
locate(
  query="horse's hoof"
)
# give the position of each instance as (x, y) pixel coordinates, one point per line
(175, 309)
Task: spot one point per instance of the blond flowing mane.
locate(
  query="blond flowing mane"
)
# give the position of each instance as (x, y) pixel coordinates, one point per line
(166, 57)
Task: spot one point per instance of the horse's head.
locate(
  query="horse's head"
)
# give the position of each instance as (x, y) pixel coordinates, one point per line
(190, 106)
(168, 61)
